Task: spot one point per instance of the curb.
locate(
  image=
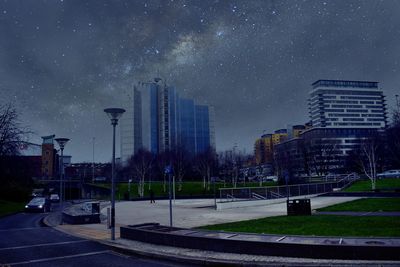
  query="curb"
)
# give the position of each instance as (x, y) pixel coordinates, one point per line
(45, 222)
(175, 258)
(206, 261)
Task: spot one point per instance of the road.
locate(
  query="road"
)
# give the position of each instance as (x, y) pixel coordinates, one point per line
(25, 241)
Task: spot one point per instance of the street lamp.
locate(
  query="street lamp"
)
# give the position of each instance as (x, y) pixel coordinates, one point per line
(61, 143)
(114, 114)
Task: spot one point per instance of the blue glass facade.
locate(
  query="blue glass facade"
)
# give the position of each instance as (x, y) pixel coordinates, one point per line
(172, 97)
(187, 130)
(202, 128)
(163, 121)
(154, 119)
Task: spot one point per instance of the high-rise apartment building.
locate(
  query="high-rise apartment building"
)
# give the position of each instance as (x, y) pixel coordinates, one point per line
(347, 104)
(158, 119)
(343, 115)
(279, 136)
(263, 150)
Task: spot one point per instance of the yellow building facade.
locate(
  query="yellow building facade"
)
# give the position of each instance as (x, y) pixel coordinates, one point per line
(263, 150)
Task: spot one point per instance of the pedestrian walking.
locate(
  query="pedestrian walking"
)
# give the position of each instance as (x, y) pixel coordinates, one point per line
(152, 196)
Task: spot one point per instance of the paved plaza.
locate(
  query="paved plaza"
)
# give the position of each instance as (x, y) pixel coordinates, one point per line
(190, 213)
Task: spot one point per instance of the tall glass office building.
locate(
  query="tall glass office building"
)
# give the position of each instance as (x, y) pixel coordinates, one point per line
(158, 119)
(202, 128)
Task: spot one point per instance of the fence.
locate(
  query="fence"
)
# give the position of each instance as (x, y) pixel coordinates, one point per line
(274, 192)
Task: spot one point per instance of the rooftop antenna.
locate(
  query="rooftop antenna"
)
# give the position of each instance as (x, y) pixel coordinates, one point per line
(157, 79)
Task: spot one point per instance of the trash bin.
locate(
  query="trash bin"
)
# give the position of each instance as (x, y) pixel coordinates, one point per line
(95, 207)
(298, 207)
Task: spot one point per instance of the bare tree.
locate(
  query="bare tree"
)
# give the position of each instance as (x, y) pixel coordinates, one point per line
(11, 132)
(396, 113)
(393, 137)
(284, 166)
(141, 164)
(231, 163)
(162, 160)
(180, 159)
(370, 157)
(393, 146)
(204, 165)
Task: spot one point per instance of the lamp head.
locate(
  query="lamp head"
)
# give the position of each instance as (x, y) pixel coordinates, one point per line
(114, 114)
(61, 142)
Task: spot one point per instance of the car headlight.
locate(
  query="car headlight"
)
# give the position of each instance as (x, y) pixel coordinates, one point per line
(26, 207)
(40, 206)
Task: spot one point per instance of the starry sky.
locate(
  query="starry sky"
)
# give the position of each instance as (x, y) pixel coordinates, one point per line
(63, 62)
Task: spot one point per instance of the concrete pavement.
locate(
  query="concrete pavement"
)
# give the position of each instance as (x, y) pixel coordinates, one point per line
(199, 212)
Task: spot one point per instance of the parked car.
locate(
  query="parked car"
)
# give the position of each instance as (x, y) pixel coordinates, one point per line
(389, 174)
(272, 178)
(54, 198)
(38, 204)
(38, 192)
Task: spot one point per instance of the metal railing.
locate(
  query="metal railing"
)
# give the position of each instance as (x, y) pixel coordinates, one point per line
(274, 192)
(257, 196)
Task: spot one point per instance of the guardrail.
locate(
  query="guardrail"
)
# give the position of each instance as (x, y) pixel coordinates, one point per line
(274, 192)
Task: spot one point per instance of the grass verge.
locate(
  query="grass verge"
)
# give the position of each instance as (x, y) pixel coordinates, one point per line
(381, 184)
(8, 207)
(366, 204)
(319, 225)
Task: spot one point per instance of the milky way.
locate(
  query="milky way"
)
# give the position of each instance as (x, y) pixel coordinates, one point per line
(63, 62)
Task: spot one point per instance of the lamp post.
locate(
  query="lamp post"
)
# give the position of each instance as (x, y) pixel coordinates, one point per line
(61, 143)
(114, 114)
(93, 161)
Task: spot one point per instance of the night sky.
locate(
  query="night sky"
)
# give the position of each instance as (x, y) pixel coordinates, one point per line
(63, 62)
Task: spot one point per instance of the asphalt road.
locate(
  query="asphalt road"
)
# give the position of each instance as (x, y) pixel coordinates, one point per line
(25, 241)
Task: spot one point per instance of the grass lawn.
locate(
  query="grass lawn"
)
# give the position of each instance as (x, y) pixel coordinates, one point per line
(367, 204)
(365, 185)
(321, 225)
(188, 188)
(7, 207)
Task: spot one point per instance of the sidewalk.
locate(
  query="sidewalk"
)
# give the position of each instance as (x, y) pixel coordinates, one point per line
(195, 212)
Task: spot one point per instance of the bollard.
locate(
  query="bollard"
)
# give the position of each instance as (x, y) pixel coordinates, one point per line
(108, 218)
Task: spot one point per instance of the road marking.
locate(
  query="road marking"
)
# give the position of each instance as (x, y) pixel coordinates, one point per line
(58, 258)
(119, 254)
(280, 239)
(45, 244)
